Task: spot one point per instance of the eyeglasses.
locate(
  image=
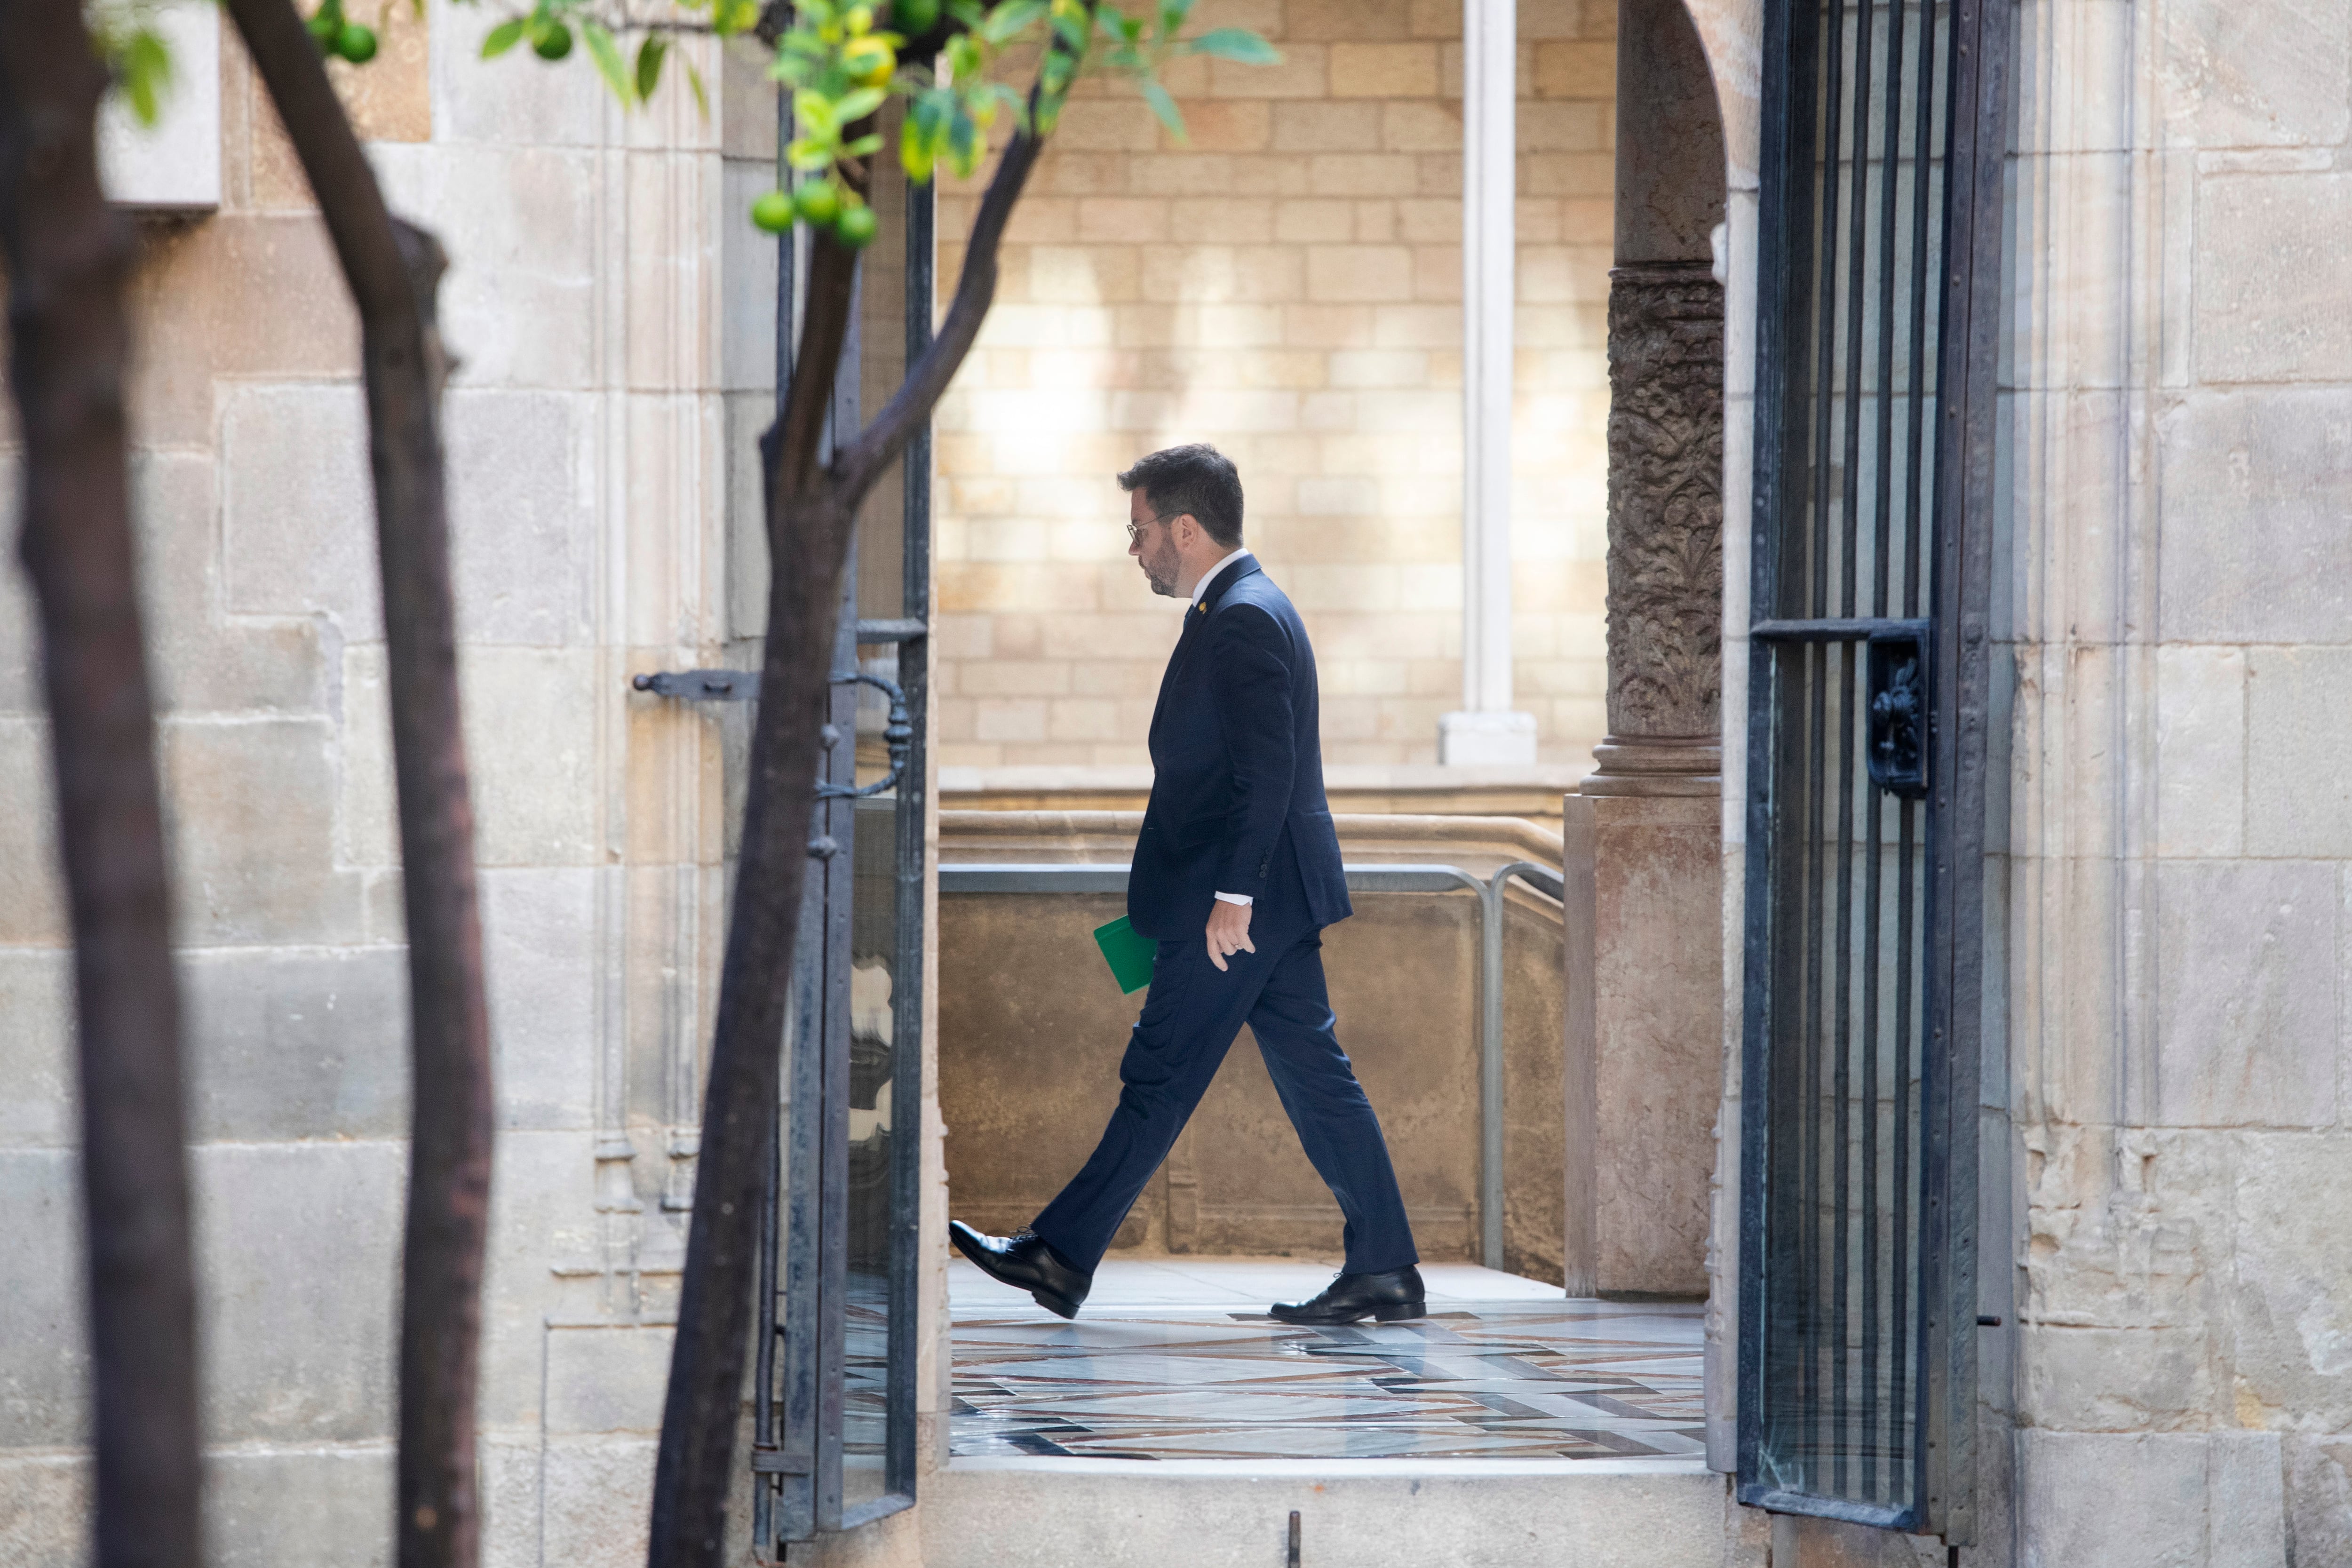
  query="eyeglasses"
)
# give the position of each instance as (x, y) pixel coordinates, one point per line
(1135, 531)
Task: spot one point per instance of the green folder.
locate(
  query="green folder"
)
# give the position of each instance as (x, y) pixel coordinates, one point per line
(1128, 952)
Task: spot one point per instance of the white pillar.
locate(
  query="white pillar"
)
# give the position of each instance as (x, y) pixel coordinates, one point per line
(1486, 730)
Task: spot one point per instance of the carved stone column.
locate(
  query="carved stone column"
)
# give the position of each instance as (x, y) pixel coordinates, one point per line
(1644, 991)
(1665, 530)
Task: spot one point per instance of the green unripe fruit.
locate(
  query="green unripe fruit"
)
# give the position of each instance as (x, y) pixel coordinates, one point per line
(773, 212)
(326, 28)
(858, 228)
(355, 43)
(553, 42)
(819, 203)
(914, 15)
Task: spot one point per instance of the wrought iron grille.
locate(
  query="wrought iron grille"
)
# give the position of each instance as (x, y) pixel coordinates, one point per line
(1877, 295)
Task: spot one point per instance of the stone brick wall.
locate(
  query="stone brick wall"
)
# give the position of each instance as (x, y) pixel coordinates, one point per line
(1287, 286)
(587, 495)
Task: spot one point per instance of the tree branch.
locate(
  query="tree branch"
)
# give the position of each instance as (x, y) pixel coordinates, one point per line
(864, 460)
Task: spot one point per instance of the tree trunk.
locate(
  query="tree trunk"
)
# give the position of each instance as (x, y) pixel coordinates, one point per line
(812, 513)
(809, 527)
(393, 270)
(67, 257)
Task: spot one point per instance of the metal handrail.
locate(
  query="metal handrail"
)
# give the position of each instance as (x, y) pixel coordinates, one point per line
(1081, 878)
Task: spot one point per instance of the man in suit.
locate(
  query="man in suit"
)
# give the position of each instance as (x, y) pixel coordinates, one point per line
(1236, 873)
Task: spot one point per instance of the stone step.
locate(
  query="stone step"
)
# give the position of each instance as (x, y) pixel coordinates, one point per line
(1353, 1513)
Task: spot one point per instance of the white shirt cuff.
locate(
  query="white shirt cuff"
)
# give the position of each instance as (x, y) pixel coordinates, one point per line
(1241, 899)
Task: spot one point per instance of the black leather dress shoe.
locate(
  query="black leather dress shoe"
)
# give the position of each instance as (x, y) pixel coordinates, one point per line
(1385, 1298)
(1024, 1261)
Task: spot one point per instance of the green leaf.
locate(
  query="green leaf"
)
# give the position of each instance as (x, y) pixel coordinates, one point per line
(864, 146)
(607, 53)
(816, 113)
(650, 54)
(503, 37)
(1010, 20)
(1237, 44)
(855, 106)
(146, 67)
(701, 93)
(1164, 105)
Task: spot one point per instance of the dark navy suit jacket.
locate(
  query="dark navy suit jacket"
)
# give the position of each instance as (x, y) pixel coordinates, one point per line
(1237, 803)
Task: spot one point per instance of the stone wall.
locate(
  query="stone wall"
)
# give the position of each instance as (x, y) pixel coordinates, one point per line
(2179, 845)
(587, 479)
(1287, 286)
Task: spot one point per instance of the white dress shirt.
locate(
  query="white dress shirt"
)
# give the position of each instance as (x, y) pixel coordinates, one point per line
(1200, 588)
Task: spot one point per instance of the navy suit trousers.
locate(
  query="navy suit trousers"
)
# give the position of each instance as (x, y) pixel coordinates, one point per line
(1191, 1016)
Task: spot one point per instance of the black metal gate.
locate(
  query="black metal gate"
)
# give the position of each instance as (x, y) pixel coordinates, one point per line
(834, 1402)
(1878, 295)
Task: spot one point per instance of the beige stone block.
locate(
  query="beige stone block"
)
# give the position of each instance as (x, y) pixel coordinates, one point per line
(1326, 326)
(1224, 125)
(32, 890)
(2298, 795)
(2268, 258)
(1006, 720)
(1437, 272)
(1075, 173)
(1270, 175)
(1326, 127)
(1314, 221)
(250, 807)
(595, 1500)
(521, 514)
(1304, 72)
(1050, 220)
(2118, 1380)
(529, 217)
(1084, 274)
(515, 100)
(1227, 219)
(235, 295)
(1208, 175)
(1382, 174)
(1015, 678)
(1420, 125)
(2237, 78)
(1442, 19)
(1568, 175)
(1417, 327)
(2292, 1311)
(1084, 718)
(1573, 68)
(1122, 221)
(1383, 70)
(1107, 125)
(1344, 273)
(1349, 21)
(2201, 739)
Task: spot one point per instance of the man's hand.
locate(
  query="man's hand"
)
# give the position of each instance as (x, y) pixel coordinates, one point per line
(1228, 931)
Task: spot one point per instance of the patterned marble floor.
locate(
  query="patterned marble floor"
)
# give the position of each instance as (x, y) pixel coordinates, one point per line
(1176, 1359)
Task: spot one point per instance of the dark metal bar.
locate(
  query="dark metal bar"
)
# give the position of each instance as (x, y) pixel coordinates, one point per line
(1922, 364)
(1841, 1085)
(1857, 286)
(1853, 629)
(1809, 1299)
(1892, 151)
(1871, 1044)
(870, 631)
(1900, 1416)
(900, 1461)
(1832, 56)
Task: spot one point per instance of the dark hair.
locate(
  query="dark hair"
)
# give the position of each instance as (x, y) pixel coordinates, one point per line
(1197, 478)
